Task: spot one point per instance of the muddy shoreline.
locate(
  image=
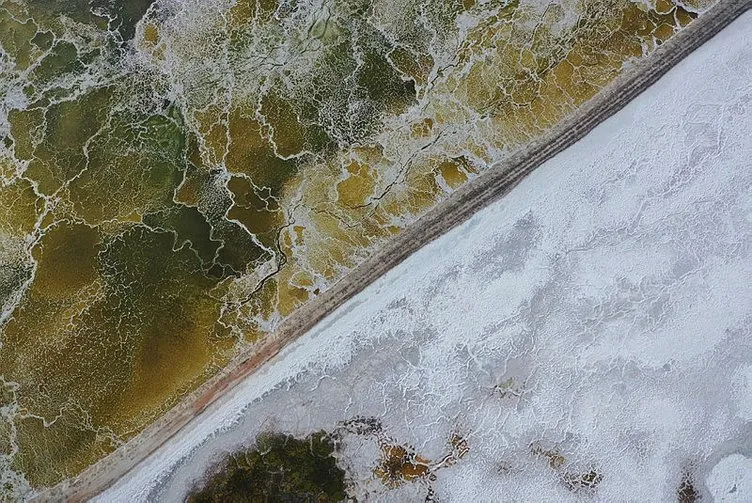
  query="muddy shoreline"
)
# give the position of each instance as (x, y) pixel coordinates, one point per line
(461, 205)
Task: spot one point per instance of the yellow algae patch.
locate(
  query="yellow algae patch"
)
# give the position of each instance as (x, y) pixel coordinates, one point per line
(290, 295)
(213, 135)
(251, 153)
(255, 208)
(416, 65)
(358, 186)
(19, 207)
(17, 37)
(99, 309)
(191, 190)
(151, 33)
(70, 441)
(422, 129)
(452, 173)
(150, 40)
(287, 134)
(67, 261)
(244, 12)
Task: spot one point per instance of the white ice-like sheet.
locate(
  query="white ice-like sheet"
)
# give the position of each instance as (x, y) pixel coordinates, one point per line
(612, 286)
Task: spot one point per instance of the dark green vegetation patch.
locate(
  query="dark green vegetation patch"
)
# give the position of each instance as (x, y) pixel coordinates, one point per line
(279, 468)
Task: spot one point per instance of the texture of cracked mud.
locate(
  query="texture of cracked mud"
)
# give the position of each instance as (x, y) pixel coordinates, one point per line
(179, 176)
(586, 338)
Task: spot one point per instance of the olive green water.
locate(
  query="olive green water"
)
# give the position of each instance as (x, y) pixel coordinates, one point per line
(177, 178)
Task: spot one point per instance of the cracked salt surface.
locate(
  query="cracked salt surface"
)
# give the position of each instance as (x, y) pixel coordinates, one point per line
(589, 336)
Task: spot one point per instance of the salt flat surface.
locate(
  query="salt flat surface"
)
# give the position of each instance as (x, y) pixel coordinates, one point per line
(601, 312)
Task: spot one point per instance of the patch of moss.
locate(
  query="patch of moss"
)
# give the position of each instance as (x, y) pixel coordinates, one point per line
(125, 13)
(133, 311)
(64, 129)
(190, 227)
(63, 59)
(139, 159)
(78, 10)
(279, 468)
(15, 38)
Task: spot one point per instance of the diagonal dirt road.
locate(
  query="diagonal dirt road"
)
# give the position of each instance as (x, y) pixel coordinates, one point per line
(460, 206)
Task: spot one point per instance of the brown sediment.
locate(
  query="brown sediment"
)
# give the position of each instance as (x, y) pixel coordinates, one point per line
(686, 492)
(582, 481)
(572, 479)
(555, 459)
(400, 464)
(476, 194)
